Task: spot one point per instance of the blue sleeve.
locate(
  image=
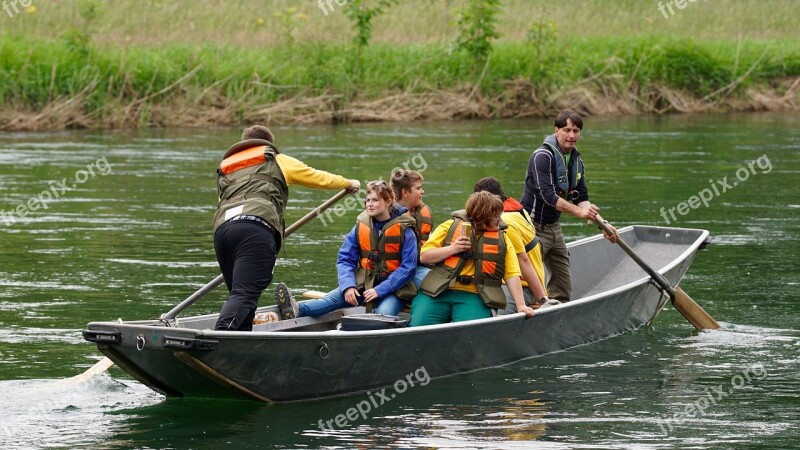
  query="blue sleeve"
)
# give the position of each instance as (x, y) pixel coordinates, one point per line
(408, 265)
(347, 261)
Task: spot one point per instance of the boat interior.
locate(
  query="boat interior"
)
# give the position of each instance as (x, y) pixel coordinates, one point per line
(597, 266)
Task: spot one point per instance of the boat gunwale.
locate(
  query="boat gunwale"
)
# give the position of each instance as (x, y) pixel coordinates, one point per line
(336, 334)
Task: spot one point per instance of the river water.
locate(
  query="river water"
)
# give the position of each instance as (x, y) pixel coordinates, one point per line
(98, 225)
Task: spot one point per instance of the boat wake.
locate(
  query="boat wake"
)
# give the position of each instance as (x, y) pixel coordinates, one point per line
(42, 413)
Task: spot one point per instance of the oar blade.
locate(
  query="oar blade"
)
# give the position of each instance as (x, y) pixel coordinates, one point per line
(99, 367)
(693, 312)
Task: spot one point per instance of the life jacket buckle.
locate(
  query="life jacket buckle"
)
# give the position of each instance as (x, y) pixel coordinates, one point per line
(381, 277)
(374, 256)
(469, 254)
(465, 279)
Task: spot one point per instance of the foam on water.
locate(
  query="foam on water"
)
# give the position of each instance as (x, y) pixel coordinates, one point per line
(50, 413)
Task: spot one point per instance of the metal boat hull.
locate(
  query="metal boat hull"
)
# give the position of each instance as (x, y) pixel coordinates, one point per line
(304, 359)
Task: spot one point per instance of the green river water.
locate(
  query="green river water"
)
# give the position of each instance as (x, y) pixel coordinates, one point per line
(132, 238)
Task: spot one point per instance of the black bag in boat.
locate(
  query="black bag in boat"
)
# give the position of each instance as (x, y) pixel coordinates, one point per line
(360, 322)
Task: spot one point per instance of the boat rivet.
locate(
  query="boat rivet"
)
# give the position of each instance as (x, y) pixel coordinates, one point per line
(324, 351)
(140, 342)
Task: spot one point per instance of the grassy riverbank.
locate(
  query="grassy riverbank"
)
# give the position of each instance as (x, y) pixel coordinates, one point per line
(159, 70)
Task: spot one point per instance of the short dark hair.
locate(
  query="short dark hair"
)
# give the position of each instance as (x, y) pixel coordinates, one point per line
(561, 119)
(258, 132)
(490, 184)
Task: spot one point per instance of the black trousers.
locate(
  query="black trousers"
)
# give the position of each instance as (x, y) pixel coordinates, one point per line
(246, 253)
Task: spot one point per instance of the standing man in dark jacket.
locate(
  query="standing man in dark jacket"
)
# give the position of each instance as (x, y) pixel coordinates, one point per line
(253, 185)
(555, 182)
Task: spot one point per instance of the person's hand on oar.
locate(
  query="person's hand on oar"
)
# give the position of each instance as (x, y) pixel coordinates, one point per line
(610, 232)
(592, 214)
(355, 186)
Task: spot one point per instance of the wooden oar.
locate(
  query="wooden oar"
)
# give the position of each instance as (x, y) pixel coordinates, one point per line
(313, 294)
(99, 367)
(105, 363)
(695, 314)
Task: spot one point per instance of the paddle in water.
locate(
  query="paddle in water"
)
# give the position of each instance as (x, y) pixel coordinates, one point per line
(693, 312)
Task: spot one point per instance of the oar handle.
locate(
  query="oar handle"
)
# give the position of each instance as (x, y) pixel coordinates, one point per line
(211, 285)
(657, 277)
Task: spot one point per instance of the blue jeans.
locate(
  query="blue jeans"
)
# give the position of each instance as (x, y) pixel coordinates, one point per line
(333, 300)
(419, 275)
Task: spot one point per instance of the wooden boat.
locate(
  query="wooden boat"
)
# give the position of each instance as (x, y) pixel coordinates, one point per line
(310, 358)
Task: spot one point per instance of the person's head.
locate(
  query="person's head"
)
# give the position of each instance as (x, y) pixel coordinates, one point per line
(379, 199)
(258, 132)
(568, 126)
(407, 185)
(484, 210)
(491, 185)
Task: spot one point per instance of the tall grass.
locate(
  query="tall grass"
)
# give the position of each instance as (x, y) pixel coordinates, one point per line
(265, 23)
(215, 63)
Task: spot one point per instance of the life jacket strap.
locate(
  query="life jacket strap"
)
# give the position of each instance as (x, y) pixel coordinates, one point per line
(532, 244)
(467, 279)
(381, 277)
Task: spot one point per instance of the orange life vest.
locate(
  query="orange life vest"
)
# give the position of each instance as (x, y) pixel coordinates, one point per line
(250, 182)
(490, 265)
(381, 255)
(424, 223)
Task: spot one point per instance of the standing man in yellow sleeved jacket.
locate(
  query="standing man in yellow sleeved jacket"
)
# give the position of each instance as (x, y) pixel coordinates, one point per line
(252, 182)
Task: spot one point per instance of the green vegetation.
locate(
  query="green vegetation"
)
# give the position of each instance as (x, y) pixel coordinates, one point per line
(478, 28)
(166, 65)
